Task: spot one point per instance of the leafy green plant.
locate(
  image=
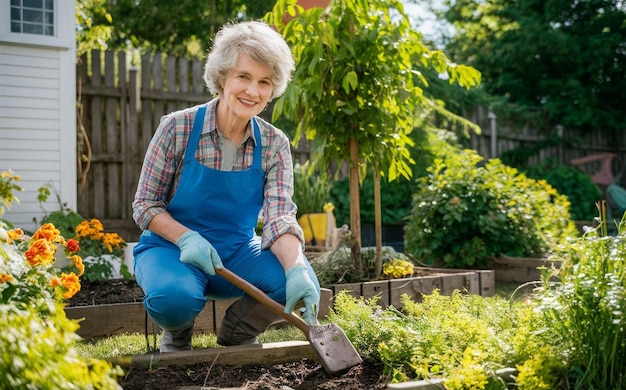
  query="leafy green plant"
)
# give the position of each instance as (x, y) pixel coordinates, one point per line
(465, 211)
(311, 188)
(460, 337)
(586, 309)
(570, 181)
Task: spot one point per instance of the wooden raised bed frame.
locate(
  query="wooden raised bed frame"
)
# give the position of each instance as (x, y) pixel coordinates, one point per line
(100, 321)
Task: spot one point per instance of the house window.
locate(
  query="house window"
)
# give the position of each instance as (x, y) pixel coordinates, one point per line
(32, 17)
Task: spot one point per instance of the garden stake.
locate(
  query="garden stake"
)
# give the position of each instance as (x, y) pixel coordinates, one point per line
(336, 352)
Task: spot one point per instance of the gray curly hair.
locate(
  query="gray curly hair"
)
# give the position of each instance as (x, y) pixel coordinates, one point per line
(257, 40)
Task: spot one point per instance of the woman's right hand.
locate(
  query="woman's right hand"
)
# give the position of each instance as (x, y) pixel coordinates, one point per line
(197, 251)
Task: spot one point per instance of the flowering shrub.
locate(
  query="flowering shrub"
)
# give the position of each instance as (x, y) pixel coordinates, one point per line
(37, 339)
(99, 249)
(29, 259)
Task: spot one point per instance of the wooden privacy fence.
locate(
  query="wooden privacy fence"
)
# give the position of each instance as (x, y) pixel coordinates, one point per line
(568, 145)
(120, 106)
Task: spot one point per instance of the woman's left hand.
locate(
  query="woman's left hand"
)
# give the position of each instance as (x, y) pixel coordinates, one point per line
(301, 287)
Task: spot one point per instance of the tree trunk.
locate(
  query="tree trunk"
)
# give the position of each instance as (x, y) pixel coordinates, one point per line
(378, 225)
(355, 208)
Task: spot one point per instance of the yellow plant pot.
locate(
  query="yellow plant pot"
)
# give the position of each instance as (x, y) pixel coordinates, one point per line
(314, 226)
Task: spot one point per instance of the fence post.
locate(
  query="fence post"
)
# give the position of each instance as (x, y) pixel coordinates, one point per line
(493, 152)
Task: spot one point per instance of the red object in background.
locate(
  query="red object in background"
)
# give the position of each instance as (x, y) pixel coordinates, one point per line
(306, 4)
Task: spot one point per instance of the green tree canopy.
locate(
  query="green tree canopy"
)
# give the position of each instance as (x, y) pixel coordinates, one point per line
(182, 27)
(565, 59)
(360, 75)
(90, 34)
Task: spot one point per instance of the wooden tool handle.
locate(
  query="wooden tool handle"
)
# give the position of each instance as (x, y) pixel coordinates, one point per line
(260, 296)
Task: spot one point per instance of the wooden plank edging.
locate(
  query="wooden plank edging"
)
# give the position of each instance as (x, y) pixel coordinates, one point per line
(266, 354)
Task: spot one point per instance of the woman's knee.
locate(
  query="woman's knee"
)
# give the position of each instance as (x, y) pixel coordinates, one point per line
(174, 306)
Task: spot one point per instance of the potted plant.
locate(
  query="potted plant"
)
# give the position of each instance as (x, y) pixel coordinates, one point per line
(311, 195)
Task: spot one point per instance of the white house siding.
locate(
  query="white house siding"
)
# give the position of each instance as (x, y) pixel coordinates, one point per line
(37, 114)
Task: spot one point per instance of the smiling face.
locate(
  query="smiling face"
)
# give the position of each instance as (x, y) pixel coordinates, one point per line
(246, 90)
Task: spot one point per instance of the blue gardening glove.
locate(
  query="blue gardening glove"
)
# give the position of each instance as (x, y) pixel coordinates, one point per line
(301, 287)
(197, 251)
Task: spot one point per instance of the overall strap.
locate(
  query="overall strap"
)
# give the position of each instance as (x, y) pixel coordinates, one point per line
(194, 138)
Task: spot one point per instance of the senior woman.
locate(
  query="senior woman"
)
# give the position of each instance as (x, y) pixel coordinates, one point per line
(208, 173)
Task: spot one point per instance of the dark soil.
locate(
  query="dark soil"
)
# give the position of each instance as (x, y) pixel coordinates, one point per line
(299, 375)
(112, 291)
(303, 374)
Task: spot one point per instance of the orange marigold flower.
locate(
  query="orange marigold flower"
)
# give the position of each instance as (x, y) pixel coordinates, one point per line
(78, 262)
(5, 278)
(41, 252)
(48, 232)
(71, 283)
(15, 234)
(72, 246)
(55, 282)
(90, 229)
(112, 240)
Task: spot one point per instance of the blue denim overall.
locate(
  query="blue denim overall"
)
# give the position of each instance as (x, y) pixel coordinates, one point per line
(223, 206)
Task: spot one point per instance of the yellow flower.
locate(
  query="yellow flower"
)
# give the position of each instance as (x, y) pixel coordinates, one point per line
(9, 174)
(15, 234)
(329, 207)
(398, 268)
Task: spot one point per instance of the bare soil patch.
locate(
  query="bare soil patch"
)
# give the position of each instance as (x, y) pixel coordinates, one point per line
(299, 375)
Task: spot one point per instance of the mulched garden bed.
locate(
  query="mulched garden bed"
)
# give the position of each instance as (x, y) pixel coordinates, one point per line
(302, 374)
(101, 293)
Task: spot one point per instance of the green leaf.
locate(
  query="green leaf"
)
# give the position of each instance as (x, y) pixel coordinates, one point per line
(350, 82)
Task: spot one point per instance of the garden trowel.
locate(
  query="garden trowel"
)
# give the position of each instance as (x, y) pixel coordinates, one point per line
(336, 352)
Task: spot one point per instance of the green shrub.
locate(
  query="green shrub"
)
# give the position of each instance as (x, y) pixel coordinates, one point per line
(570, 181)
(37, 352)
(465, 211)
